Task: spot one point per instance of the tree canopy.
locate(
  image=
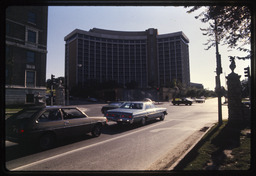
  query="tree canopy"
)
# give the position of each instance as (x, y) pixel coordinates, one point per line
(233, 26)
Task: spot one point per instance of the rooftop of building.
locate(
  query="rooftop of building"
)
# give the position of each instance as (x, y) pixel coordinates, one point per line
(112, 34)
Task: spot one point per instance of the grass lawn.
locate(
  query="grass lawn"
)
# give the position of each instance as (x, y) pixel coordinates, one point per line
(224, 147)
(12, 110)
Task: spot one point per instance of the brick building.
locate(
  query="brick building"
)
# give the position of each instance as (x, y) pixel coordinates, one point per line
(25, 57)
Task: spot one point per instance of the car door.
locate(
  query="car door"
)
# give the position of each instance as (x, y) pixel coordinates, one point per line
(150, 111)
(49, 120)
(76, 122)
(155, 113)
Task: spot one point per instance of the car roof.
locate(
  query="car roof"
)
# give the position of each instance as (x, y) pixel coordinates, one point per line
(62, 107)
(50, 107)
(138, 102)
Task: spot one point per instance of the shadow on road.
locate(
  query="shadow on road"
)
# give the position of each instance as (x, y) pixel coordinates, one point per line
(117, 128)
(22, 150)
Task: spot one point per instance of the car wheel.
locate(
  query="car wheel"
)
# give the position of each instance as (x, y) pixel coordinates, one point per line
(162, 117)
(96, 131)
(46, 141)
(143, 121)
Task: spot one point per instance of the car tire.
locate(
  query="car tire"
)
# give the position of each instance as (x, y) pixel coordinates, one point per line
(46, 141)
(143, 121)
(96, 131)
(162, 117)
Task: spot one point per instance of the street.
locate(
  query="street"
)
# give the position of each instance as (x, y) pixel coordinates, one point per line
(118, 148)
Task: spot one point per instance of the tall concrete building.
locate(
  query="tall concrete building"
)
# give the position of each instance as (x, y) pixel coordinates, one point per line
(149, 59)
(25, 57)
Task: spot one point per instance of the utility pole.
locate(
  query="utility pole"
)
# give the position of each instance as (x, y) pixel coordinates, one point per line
(218, 72)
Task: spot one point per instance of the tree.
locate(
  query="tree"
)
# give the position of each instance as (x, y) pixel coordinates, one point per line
(234, 26)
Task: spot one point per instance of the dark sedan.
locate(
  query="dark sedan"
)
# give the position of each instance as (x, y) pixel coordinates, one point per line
(178, 101)
(44, 125)
(112, 105)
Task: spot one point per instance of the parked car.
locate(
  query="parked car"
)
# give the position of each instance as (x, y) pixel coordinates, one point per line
(178, 101)
(44, 125)
(136, 112)
(112, 105)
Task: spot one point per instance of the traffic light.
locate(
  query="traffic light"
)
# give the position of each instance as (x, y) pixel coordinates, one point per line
(52, 78)
(247, 72)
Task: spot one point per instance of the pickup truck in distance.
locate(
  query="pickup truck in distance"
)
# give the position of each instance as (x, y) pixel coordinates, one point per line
(178, 101)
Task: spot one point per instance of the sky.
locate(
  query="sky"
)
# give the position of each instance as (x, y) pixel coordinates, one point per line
(64, 19)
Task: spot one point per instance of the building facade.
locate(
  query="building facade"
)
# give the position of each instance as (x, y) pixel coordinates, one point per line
(144, 57)
(25, 57)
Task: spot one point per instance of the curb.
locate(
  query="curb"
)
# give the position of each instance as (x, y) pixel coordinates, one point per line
(190, 149)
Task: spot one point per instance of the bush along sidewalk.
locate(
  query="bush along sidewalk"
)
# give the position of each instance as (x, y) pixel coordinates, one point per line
(225, 147)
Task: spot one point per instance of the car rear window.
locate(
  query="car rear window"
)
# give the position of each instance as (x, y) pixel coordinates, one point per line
(132, 106)
(72, 113)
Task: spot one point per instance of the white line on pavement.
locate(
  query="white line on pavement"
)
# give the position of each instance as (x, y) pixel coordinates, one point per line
(83, 148)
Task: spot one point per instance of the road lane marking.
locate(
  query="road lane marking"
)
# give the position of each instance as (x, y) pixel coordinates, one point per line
(172, 128)
(83, 148)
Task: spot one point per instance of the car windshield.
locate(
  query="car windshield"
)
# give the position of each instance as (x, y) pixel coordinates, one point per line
(24, 114)
(132, 106)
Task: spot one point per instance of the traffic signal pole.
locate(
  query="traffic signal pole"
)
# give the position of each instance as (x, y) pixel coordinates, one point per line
(218, 72)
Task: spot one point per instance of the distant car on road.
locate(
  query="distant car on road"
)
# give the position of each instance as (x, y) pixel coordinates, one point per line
(200, 100)
(136, 112)
(112, 105)
(178, 101)
(44, 125)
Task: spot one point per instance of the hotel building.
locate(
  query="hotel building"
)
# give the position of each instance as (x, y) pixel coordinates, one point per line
(150, 59)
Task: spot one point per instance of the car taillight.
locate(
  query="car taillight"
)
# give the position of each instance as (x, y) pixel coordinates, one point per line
(20, 131)
(126, 116)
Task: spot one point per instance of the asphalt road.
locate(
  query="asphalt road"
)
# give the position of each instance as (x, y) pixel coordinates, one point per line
(118, 148)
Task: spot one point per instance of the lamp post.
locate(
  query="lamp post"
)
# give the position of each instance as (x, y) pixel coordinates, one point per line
(218, 72)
